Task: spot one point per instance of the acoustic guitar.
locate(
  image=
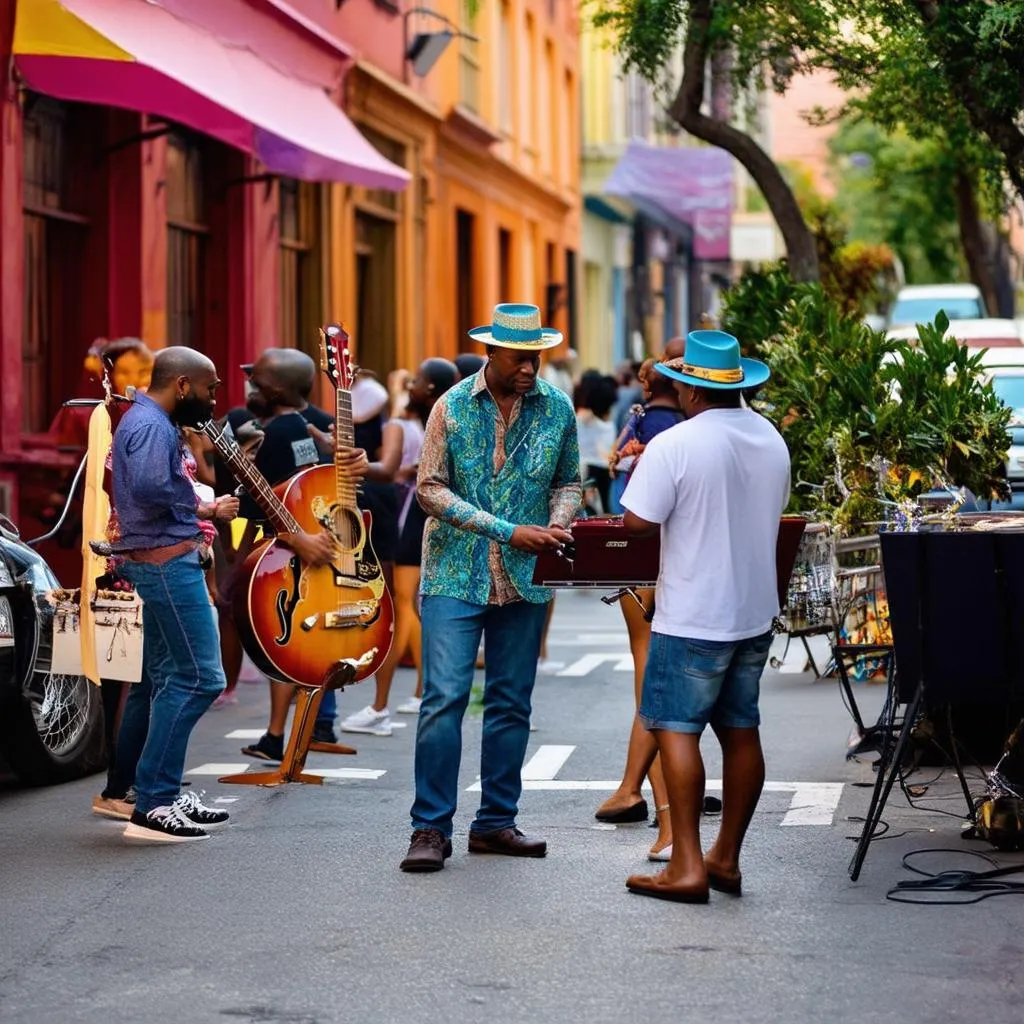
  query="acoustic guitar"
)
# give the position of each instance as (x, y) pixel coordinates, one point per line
(296, 622)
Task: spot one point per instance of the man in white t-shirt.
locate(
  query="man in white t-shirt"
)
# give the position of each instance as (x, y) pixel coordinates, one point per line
(716, 485)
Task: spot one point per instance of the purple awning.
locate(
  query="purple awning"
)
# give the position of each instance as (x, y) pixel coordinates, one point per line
(693, 184)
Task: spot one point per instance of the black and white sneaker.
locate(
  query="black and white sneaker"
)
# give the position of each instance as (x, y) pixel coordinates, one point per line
(163, 825)
(189, 804)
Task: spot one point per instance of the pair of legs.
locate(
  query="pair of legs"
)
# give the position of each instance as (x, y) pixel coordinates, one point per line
(451, 637)
(689, 684)
(642, 759)
(182, 663)
(408, 635)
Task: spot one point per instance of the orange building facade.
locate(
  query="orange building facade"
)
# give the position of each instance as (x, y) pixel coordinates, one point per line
(490, 136)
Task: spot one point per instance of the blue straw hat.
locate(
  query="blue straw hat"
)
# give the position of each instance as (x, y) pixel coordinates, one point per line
(712, 359)
(517, 325)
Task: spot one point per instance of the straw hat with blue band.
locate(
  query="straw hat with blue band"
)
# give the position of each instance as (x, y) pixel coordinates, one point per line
(712, 360)
(517, 325)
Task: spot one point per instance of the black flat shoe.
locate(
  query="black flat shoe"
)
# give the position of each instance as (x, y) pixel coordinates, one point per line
(635, 812)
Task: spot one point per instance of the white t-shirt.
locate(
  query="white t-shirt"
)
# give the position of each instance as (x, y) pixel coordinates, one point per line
(718, 484)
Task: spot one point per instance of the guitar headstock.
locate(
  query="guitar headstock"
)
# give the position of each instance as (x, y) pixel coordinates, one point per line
(335, 357)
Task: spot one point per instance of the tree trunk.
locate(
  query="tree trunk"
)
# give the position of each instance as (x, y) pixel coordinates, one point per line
(974, 241)
(801, 251)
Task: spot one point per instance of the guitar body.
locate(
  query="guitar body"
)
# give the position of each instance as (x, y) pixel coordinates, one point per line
(296, 622)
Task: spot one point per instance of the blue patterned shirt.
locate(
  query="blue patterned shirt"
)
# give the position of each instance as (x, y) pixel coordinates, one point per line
(480, 477)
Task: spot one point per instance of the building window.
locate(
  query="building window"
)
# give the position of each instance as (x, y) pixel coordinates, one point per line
(506, 74)
(187, 238)
(565, 131)
(638, 107)
(299, 274)
(55, 237)
(545, 101)
(527, 80)
(465, 275)
(379, 215)
(469, 62)
(505, 266)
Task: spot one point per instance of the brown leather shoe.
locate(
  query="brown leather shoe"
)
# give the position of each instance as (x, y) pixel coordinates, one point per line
(428, 851)
(649, 885)
(509, 841)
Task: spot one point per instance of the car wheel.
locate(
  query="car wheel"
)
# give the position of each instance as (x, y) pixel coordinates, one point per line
(53, 732)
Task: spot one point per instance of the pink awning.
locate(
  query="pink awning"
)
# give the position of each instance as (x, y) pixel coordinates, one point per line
(177, 70)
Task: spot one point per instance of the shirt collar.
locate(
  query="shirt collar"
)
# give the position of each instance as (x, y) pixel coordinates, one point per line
(480, 385)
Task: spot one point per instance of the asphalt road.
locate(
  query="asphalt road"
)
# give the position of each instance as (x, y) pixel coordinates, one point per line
(297, 913)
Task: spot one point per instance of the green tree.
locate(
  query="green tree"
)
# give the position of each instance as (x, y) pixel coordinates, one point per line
(899, 190)
(918, 63)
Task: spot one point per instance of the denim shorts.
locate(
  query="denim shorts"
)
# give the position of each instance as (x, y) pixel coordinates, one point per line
(690, 684)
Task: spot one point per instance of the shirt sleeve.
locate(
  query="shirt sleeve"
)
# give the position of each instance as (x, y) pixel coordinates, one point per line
(651, 491)
(566, 489)
(433, 485)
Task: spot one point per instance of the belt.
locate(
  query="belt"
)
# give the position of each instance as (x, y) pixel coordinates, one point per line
(158, 556)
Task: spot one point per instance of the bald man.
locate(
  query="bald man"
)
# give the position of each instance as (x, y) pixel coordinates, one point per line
(158, 516)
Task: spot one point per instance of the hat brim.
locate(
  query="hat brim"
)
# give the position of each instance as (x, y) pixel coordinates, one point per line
(548, 339)
(755, 373)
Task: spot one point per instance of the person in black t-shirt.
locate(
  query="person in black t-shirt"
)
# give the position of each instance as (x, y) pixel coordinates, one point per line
(279, 423)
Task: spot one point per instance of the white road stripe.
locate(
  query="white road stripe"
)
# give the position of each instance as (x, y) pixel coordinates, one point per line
(214, 768)
(245, 734)
(813, 803)
(585, 665)
(347, 773)
(546, 763)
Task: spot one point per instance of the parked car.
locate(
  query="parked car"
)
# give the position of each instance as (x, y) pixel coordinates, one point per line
(987, 333)
(51, 725)
(920, 304)
(1008, 384)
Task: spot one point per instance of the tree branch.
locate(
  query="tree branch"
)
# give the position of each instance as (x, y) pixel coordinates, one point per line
(686, 110)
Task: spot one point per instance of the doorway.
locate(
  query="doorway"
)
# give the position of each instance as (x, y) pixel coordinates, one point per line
(465, 284)
(376, 294)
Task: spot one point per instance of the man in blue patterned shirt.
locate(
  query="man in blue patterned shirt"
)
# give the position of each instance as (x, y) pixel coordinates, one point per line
(499, 478)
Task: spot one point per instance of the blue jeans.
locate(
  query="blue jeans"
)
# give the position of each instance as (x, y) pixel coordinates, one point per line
(131, 735)
(182, 657)
(451, 637)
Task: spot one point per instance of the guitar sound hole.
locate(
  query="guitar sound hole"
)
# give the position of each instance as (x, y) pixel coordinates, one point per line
(346, 524)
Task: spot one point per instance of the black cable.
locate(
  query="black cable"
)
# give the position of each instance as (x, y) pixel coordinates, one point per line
(983, 884)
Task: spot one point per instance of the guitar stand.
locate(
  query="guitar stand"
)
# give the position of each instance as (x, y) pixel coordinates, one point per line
(307, 704)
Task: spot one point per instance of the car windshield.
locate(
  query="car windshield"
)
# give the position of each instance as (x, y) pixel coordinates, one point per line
(1010, 390)
(924, 311)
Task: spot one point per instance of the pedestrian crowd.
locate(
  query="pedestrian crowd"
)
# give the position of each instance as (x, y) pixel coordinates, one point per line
(470, 469)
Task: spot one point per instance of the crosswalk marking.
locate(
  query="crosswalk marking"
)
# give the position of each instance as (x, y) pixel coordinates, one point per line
(585, 665)
(347, 773)
(546, 762)
(215, 768)
(814, 803)
(244, 734)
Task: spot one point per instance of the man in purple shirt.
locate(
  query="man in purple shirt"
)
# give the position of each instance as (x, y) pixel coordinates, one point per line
(159, 515)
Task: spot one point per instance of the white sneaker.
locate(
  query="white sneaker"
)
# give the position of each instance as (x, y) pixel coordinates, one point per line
(374, 723)
(547, 667)
(410, 707)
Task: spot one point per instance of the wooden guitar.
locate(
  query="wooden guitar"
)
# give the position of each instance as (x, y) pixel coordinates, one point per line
(295, 622)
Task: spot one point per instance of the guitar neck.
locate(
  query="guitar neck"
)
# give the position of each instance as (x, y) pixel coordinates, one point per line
(251, 479)
(344, 440)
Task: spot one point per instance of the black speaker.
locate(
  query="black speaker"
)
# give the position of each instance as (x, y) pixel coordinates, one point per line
(956, 603)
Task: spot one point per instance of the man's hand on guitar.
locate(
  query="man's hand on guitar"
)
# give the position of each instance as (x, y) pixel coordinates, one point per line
(314, 549)
(538, 538)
